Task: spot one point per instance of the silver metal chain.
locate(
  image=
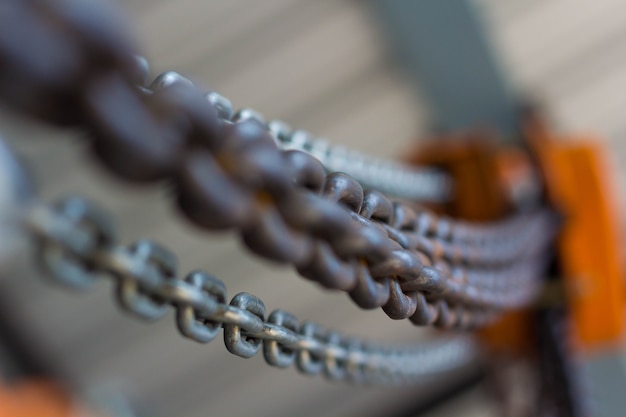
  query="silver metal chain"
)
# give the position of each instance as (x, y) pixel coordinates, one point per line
(392, 178)
(76, 244)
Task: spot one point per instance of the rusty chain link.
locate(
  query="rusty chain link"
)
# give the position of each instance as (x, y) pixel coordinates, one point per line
(69, 63)
(76, 244)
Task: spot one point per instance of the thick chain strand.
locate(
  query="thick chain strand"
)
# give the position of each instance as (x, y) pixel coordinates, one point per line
(76, 244)
(391, 178)
(68, 62)
(339, 159)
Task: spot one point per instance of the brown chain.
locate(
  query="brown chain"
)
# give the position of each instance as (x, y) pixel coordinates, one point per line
(69, 63)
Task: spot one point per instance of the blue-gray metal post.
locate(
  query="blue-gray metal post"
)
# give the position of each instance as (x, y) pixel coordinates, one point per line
(444, 47)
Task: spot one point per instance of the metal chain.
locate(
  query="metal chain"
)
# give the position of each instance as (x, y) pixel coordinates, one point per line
(76, 244)
(392, 178)
(69, 63)
(340, 159)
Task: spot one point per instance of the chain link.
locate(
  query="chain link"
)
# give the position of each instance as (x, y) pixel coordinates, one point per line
(69, 63)
(76, 245)
(390, 177)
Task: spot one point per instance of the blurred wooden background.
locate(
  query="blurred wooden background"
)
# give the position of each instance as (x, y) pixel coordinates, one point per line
(323, 66)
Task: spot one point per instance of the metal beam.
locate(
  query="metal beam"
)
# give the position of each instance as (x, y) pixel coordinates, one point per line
(444, 47)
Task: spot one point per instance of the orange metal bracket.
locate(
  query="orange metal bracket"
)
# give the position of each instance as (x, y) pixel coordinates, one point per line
(578, 186)
(35, 398)
(483, 174)
(589, 247)
(469, 159)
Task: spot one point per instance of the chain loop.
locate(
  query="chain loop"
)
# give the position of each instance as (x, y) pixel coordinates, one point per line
(278, 351)
(310, 359)
(194, 319)
(250, 315)
(80, 232)
(336, 357)
(140, 269)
